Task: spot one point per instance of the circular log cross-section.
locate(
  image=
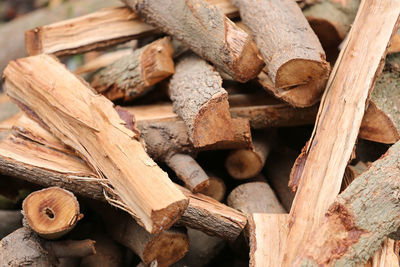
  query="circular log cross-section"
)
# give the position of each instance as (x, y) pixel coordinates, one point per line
(51, 212)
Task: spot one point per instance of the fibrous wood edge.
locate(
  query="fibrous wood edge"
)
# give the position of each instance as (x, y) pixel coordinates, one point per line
(385, 256)
(267, 234)
(131, 76)
(51, 212)
(73, 113)
(218, 40)
(335, 132)
(203, 213)
(288, 45)
(360, 219)
(199, 99)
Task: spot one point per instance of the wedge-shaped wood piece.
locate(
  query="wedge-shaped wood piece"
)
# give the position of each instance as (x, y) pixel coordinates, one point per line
(199, 99)
(207, 32)
(132, 75)
(88, 123)
(51, 212)
(338, 121)
(293, 54)
(360, 218)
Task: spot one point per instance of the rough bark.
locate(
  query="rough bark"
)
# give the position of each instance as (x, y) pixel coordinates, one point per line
(133, 75)
(10, 220)
(51, 212)
(207, 32)
(295, 59)
(247, 163)
(199, 99)
(338, 120)
(359, 220)
(216, 188)
(89, 124)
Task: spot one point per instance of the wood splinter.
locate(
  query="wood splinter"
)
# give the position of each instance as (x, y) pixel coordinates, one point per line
(51, 212)
(218, 40)
(133, 75)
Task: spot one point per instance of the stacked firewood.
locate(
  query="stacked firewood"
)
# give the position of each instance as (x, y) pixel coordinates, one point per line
(199, 154)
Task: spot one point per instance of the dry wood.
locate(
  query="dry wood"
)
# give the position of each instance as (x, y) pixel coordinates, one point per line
(51, 212)
(395, 44)
(360, 219)
(24, 248)
(254, 197)
(133, 75)
(267, 234)
(41, 165)
(295, 59)
(386, 256)
(108, 253)
(207, 32)
(7, 108)
(88, 122)
(247, 163)
(10, 220)
(216, 189)
(199, 99)
(338, 121)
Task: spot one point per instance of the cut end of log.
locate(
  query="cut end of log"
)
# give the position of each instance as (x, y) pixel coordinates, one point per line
(51, 212)
(167, 248)
(216, 189)
(165, 218)
(213, 123)
(244, 163)
(33, 42)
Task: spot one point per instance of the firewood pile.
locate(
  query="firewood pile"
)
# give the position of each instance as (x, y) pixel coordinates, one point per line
(177, 133)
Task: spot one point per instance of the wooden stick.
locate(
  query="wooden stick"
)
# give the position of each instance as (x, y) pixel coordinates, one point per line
(86, 122)
(19, 159)
(247, 163)
(71, 248)
(199, 99)
(295, 59)
(108, 253)
(345, 225)
(338, 121)
(218, 40)
(216, 188)
(51, 212)
(10, 220)
(132, 75)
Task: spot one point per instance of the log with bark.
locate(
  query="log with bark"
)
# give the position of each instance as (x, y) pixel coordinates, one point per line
(51, 212)
(10, 220)
(294, 57)
(199, 99)
(133, 75)
(207, 32)
(338, 121)
(216, 189)
(88, 122)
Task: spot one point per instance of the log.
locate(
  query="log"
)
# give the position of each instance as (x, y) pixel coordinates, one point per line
(338, 121)
(20, 159)
(133, 75)
(381, 121)
(217, 40)
(254, 197)
(216, 189)
(83, 121)
(100, 29)
(51, 212)
(10, 220)
(294, 56)
(199, 99)
(23, 247)
(247, 163)
(360, 218)
(386, 256)
(395, 44)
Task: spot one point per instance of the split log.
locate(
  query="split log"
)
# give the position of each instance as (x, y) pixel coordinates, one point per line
(51, 212)
(341, 110)
(10, 220)
(255, 197)
(41, 163)
(166, 247)
(218, 40)
(23, 247)
(381, 122)
(360, 219)
(99, 29)
(295, 58)
(199, 99)
(387, 256)
(133, 75)
(216, 189)
(247, 163)
(203, 249)
(395, 44)
(83, 120)
(7, 108)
